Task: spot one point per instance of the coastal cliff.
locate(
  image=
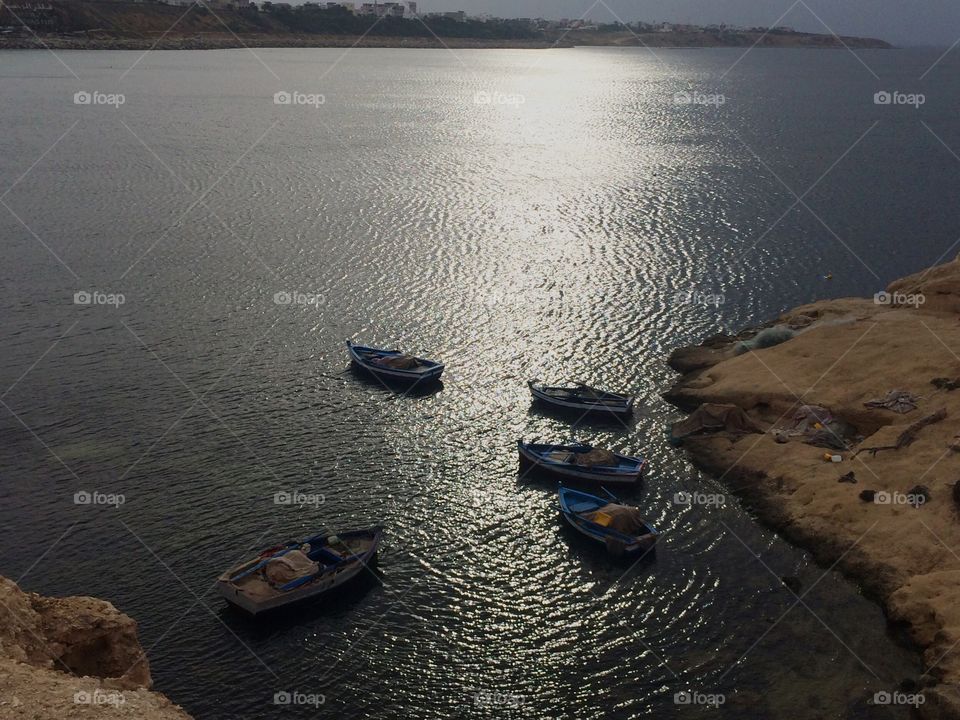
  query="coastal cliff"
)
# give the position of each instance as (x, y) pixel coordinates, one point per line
(73, 657)
(888, 514)
(126, 25)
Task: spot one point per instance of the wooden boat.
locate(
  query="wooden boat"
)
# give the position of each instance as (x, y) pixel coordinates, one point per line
(581, 398)
(393, 365)
(580, 462)
(298, 570)
(606, 520)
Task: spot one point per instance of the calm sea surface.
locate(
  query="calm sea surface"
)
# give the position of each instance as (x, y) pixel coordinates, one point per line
(579, 225)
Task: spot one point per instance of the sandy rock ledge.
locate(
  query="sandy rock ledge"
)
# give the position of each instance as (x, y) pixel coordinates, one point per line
(842, 354)
(74, 657)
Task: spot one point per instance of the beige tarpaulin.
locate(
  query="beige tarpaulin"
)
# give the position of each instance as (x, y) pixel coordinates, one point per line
(290, 566)
(398, 362)
(711, 417)
(595, 456)
(621, 518)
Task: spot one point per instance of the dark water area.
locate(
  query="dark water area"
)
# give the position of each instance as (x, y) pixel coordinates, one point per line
(562, 215)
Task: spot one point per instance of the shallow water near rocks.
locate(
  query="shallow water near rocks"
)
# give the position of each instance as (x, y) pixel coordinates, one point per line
(581, 234)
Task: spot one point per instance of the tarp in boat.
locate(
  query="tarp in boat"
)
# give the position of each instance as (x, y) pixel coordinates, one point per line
(621, 518)
(290, 566)
(398, 362)
(711, 417)
(595, 456)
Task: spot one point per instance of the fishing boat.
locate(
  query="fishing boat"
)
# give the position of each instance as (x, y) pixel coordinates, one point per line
(581, 462)
(606, 520)
(394, 365)
(298, 570)
(581, 398)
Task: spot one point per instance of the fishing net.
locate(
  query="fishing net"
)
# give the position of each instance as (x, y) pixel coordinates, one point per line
(595, 456)
(622, 518)
(290, 566)
(398, 362)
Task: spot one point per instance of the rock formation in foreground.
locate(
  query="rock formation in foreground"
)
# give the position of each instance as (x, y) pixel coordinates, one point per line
(889, 512)
(74, 657)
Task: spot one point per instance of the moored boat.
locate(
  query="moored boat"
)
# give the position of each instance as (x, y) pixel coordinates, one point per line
(581, 398)
(619, 527)
(299, 570)
(581, 462)
(394, 365)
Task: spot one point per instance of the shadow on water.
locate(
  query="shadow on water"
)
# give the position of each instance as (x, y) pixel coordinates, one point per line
(329, 607)
(596, 559)
(579, 419)
(394, 387)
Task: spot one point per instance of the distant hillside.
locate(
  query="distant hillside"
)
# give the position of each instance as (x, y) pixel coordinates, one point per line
(130, 25)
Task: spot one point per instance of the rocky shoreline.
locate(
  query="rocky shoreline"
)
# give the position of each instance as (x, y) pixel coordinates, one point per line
(224, 40)
(73, 657)
(870, 488)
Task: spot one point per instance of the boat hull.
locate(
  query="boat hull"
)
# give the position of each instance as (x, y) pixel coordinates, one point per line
(266, 601)
(567, 403)
(631, 545)
(532, 459)
(359, 357)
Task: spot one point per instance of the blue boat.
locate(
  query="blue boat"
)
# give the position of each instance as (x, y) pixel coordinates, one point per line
(583, 463)
(608, 521)
(298, 570)
(581, 399)
(394, 365)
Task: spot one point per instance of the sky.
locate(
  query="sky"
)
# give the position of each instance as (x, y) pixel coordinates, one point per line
(902, 22)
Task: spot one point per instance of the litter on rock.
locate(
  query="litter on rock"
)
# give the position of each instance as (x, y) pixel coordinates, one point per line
(900, 401)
